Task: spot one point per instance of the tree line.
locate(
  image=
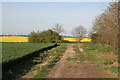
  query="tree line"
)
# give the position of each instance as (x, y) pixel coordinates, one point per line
(53, 35)
(104, 31)
(105, 27)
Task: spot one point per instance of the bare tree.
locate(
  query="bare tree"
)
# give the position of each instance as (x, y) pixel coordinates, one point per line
(58, 28)
(106, 25)
(79, 32)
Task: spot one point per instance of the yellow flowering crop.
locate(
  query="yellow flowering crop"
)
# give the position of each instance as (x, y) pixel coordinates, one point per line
(71, 39)
(77, 39)
(13, 39)
(86, 40)
(25, 39)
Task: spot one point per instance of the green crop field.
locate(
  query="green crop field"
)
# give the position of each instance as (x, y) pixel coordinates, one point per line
(11, 51)
(20, 58)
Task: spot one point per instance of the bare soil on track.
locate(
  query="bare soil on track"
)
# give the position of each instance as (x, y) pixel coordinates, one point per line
(72, 69)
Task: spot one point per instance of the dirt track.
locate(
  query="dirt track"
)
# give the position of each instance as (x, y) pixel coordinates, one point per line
(70, 69)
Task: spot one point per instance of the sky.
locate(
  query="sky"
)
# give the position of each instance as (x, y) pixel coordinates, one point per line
(20, 18)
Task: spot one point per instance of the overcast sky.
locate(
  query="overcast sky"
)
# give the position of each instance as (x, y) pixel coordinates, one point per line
(23, 17)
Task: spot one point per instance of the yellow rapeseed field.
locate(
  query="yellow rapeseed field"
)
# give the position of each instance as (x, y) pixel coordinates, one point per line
(77, 39)
(86, 40)
(13, 39)
(71, 39)
(25, 39)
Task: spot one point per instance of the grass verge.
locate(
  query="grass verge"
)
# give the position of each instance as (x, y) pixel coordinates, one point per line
(104, 56)
(43, 71)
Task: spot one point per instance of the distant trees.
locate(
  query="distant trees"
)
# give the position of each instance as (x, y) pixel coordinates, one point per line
(58, 28)
(79, 32)
(105, 26)
(47, 36)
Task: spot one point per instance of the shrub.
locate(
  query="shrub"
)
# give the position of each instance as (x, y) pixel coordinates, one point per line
(94, 37)
(47, 36)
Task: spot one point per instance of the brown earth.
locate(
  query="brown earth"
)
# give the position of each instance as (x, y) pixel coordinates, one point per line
(72, 69)
(110, 56)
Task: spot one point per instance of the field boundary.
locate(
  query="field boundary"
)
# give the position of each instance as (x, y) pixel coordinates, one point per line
(7, 65)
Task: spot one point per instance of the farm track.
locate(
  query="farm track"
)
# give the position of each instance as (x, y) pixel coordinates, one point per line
(71, 69)
(67, 69)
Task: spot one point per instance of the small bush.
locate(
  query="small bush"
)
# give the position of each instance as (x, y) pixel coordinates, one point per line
(48, 36)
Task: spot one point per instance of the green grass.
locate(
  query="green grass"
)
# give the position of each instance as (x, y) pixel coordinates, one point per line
(100, 48)
(11, 51)
(76, 49)
(71, 59)
(93, 52)
(112, 68)
(45, 69)
(80, 57)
